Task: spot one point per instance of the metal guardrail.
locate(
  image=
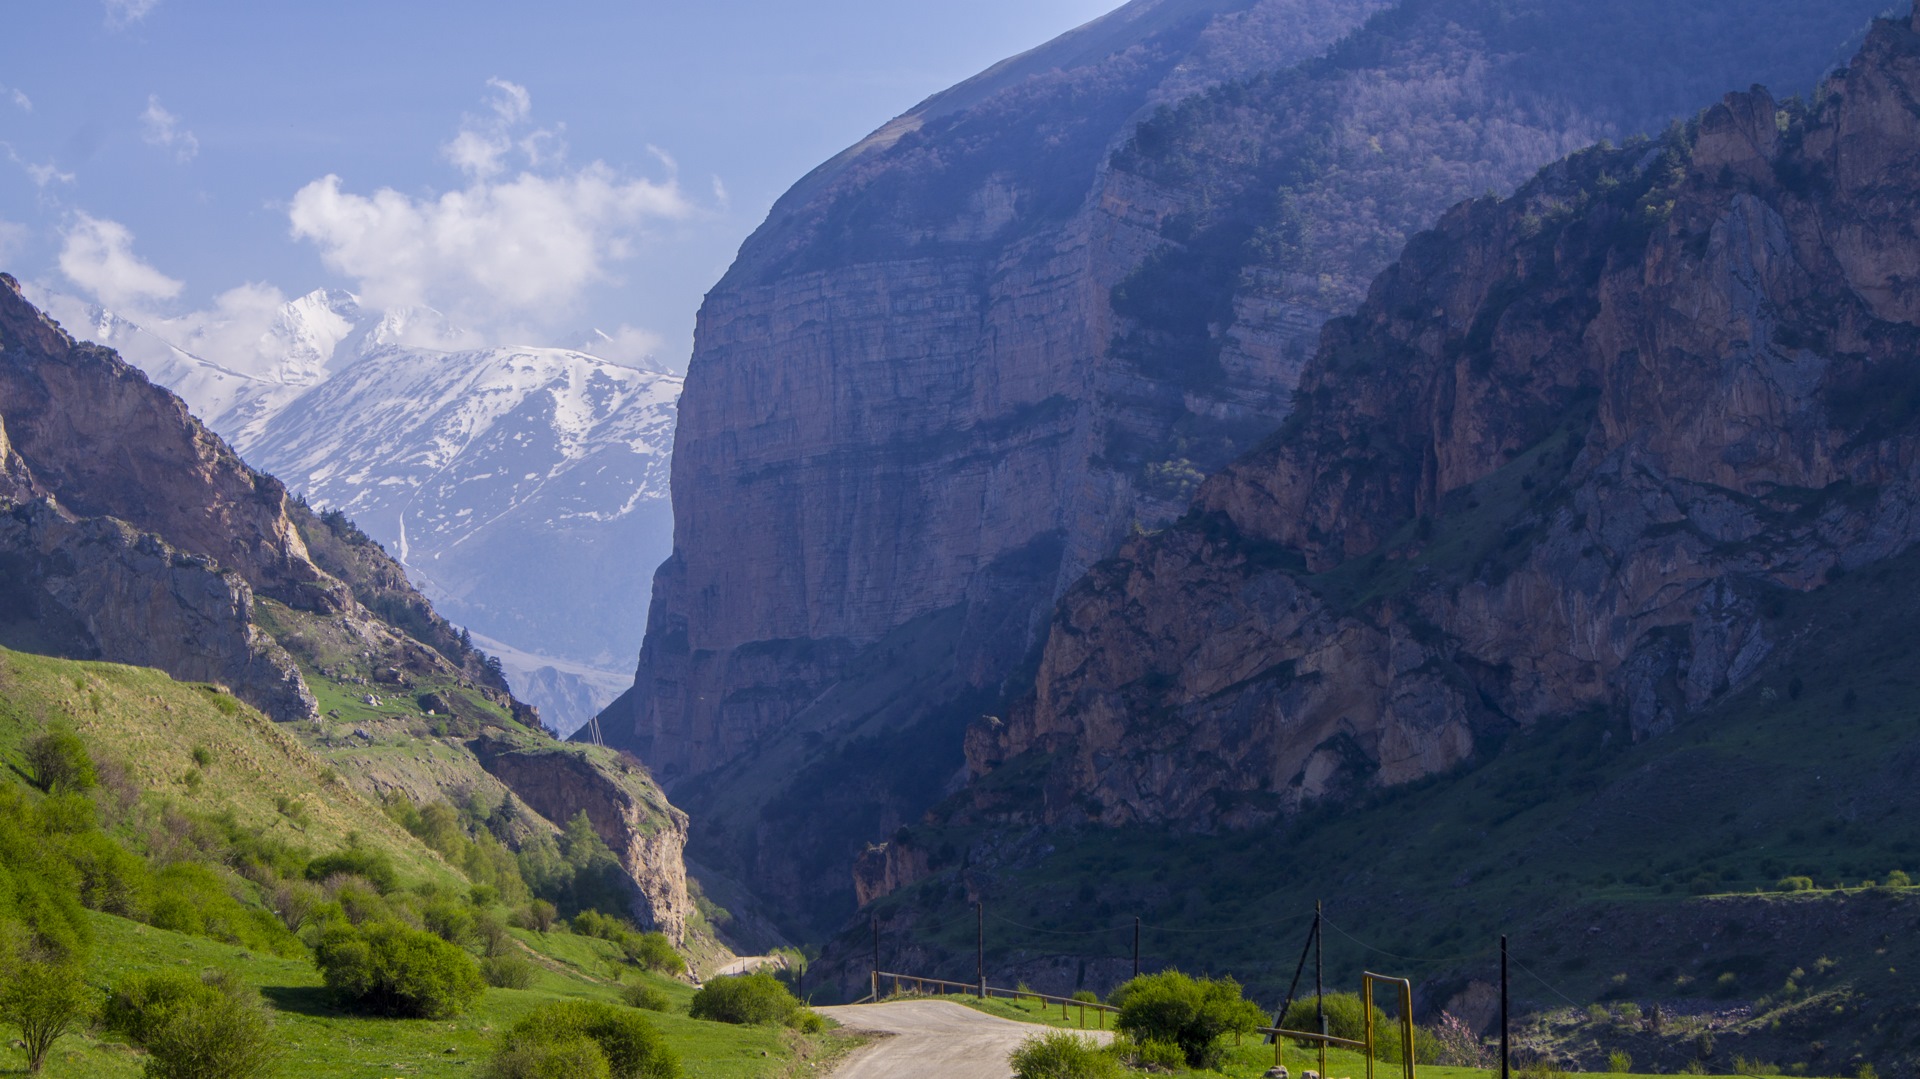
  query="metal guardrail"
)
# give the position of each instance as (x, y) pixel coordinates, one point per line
(985, 992)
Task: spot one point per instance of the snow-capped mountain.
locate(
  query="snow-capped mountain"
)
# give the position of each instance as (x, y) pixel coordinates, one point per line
(525, 489)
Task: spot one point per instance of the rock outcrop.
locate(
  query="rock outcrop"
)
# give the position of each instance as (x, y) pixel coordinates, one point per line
(626, 809)
(961, 362)
(99, 589)
(1559, 460)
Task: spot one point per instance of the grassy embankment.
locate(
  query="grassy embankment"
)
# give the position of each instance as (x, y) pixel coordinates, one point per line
(187, 754)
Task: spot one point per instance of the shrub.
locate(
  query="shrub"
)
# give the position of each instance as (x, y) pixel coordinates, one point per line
(1063, 1055)
(1793, 884)
(359, 862)
(194, 1028)
(538, 916)
(746, 998)
(1899, 879)
(553, 1041)
(388, 969)
(1345, 1016)
(654, 952)
(560, 1058)
(1191, 1013)
(45, 996)
(646, 998)
(507, 971)
(449, 920)
(1151, 1055)
(1620, 1062)
(59, 762)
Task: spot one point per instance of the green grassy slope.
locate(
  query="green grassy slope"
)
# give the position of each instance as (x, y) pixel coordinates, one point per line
(192, 747)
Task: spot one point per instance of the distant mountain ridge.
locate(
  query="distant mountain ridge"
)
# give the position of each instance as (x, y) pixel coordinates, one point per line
(524, 488)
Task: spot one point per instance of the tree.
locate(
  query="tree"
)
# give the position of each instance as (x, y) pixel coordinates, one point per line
(1188, 1012)
(45, 997)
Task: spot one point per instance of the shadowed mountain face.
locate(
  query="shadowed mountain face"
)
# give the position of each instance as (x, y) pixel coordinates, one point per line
(964, 360)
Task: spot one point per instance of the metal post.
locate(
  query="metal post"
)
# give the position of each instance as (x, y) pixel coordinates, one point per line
(980, 935)
(1136, 947)
(1319, 983)
(1505, 1071)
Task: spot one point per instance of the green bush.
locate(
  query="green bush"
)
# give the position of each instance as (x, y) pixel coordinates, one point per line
(1793, 884)
(1191, 1013)
(389, 969)
(507, 971)
(646, 998)
(1345, 1017)
(194, 1028)
(654, 952)
(59, 762)
(358, 862)
(555, 1037)
(746, 998)
(43, 995)
(1149, 1055)
(1063, 1054)
(450, 920)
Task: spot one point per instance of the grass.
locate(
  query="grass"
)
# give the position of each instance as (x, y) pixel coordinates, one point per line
(153, 725)
(321, 1040)
(164, 732)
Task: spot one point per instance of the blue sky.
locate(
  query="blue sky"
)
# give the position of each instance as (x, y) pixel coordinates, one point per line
(538, 171)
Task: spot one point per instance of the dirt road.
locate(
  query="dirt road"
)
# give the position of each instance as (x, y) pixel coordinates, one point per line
(932, 1039)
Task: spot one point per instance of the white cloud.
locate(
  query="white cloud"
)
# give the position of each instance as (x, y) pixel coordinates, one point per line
(630, 346)
(162, 128)
(124, 13)
(98, 256)
(41, 175)
(19, 98)
(499, 249)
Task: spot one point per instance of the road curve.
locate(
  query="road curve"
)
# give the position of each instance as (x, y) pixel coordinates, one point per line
(932, 1039)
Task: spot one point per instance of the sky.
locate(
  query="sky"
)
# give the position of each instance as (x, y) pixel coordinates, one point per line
(556, 173)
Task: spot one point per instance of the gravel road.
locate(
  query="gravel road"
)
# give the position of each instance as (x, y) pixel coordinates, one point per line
(932, 1039)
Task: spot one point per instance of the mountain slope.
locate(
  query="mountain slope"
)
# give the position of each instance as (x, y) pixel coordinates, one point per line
(130, 533)
(477, 467)
(1581, 579)
(962, 362)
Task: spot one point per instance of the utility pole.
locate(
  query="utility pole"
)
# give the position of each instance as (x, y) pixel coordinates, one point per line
(1505, 1072)
(1319, 981)
(1136, 946)
(980, 939)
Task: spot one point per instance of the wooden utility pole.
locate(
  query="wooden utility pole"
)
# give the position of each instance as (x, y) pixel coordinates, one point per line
(1505, 1072)
(980, 940)
(1319, 981)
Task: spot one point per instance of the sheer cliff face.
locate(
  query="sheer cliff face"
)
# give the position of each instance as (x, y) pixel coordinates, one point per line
(961, 362)
(1559, 460)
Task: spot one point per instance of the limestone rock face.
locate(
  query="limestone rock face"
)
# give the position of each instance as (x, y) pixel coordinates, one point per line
(99, 589)
(1558, 461)
(962, 361)
(627, 811)
(111, 444)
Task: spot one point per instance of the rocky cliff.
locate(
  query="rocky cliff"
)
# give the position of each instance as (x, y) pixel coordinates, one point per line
(962, 361)
(130, 533)
(1569, 455)
(627, 811)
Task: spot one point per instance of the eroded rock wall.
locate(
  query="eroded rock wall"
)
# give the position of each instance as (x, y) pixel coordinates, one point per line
(1558, 461)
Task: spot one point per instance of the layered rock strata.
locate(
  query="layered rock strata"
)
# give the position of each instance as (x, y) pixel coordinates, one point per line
(1559, 460)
